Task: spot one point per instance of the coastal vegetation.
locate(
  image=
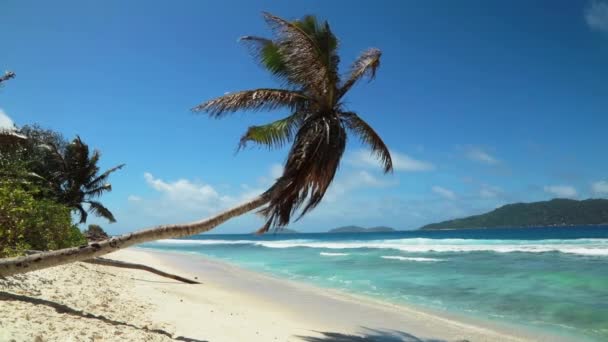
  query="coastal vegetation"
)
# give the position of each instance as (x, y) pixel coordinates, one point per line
(556, 212)
(44, 180)
(29, 220)
(303, 56)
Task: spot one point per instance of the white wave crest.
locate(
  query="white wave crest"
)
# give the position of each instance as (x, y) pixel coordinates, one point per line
(590, 247)
(402, 258)
(333, 254)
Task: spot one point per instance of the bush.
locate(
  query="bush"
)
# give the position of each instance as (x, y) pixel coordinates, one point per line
(95, 233)
(30, 222)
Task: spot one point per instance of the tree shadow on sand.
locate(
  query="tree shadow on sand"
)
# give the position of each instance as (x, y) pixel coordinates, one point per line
(62, 308)
(369, 335)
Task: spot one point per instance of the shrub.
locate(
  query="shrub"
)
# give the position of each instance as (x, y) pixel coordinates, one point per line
(30, 222)
(95, 233)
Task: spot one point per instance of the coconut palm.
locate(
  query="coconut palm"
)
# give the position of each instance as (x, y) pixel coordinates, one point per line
(76, 181)
(303, 56)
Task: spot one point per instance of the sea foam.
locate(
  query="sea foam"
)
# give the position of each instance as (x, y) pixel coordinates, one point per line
(591, 247)
(402, 258)
(333, 254)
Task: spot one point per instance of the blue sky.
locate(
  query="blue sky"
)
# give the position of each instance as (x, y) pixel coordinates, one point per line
(482, 103)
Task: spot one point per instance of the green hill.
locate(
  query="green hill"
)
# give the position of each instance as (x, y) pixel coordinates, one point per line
(556, 212)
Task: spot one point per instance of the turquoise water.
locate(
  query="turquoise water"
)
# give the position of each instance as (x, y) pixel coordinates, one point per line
(553, 279)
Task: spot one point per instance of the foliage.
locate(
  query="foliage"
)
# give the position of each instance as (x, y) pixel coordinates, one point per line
(28, 222)
(303, 56)
(66, 171)
(95, 233)
(556, 212)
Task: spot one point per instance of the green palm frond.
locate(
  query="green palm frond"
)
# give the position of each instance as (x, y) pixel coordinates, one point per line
(258, 99)
(366, 65)
(268, 55)
(369, 137)
(303, 55)
(275, 134)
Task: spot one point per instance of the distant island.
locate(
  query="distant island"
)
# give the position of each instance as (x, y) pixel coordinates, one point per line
(556, 212)
(287, 231)
(357, 229)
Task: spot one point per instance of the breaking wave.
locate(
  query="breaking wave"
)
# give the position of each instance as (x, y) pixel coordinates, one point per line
(591, 247)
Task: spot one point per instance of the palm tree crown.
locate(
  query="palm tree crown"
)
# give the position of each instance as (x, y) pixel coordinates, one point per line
(303, 56)
(76, 180)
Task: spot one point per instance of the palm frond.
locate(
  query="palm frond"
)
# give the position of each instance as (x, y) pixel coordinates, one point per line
(310, 168)
(302, 55)
(96, 182)
(83, 213)
(275, 134)
(99, 210)
(98, 191)
(268, 55)
(369, 137)
(258, 99)
(327, 42)
(366, 65)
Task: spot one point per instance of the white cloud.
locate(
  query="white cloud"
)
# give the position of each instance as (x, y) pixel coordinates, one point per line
(600, 188)
(357, 180)
(479, 155)
(188, 194)
(488, 191)
(5, 121)
(401, 162)
(133, 198)
(443, 192)
(596, 15)
(562, 191)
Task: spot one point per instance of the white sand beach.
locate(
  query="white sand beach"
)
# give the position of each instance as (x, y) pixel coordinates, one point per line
(85, 302)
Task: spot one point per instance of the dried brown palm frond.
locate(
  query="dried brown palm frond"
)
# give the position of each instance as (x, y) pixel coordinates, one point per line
(310, 168)
(366, 65)
(258, 99)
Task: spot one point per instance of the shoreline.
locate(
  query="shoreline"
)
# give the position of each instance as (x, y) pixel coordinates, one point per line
(85, 302)
(417, 321)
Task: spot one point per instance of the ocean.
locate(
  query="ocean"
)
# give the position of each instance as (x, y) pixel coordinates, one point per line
(549, 279)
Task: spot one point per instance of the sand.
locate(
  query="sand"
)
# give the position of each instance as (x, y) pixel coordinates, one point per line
(85, 302)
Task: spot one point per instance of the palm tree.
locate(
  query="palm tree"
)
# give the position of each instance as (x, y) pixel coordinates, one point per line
(303, 55)
(75, 180)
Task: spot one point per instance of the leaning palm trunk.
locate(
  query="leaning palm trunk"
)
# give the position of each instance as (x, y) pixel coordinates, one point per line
(12, 266)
